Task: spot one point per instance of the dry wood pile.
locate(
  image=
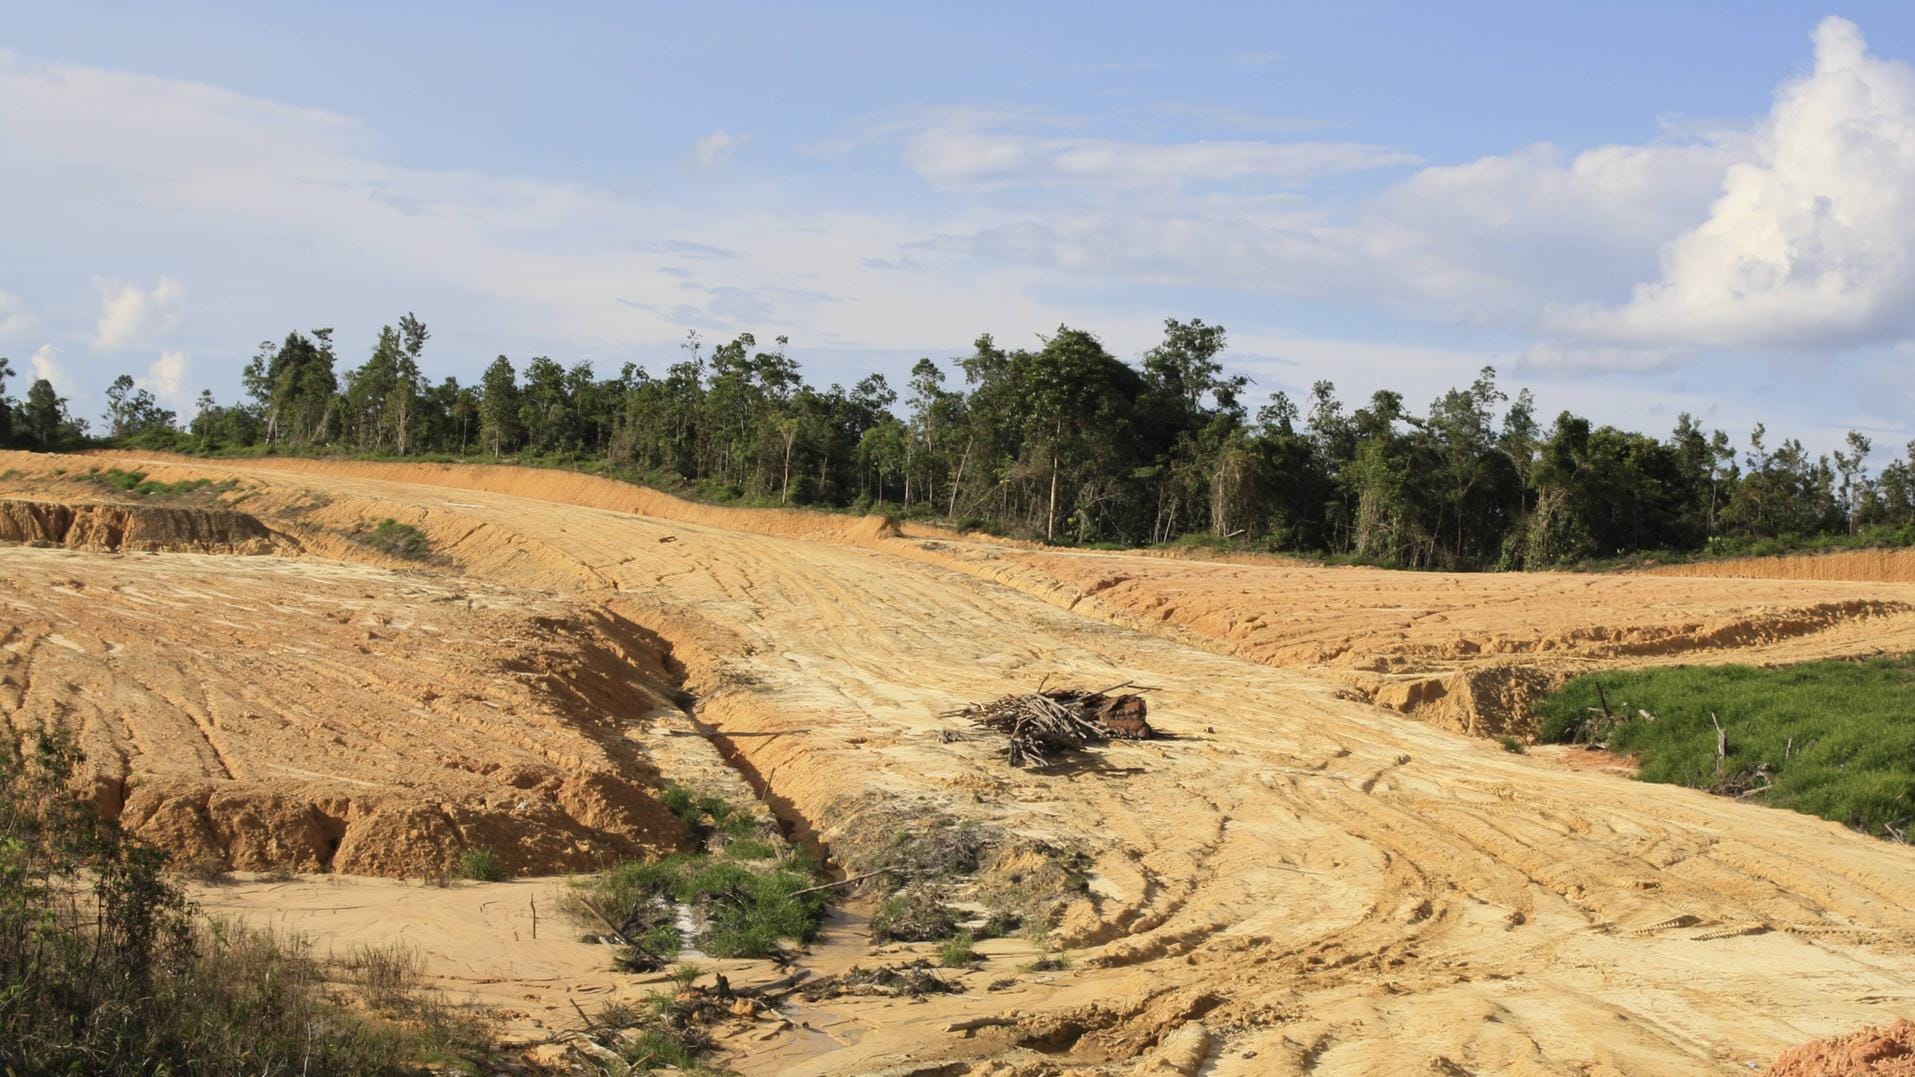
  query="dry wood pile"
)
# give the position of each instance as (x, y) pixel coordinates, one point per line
(1043, 723)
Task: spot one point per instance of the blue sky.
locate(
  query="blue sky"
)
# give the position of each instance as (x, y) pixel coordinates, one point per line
(1633, 209)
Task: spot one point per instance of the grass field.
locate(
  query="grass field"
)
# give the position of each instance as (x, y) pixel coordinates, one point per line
(1834, 739)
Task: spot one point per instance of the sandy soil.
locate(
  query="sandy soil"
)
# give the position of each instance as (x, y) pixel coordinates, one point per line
(267, 713)
(1882, 566)
(1466, 651)
(1297, 882)
(1888, 1051)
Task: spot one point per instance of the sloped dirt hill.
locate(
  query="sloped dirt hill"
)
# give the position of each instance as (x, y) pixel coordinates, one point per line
(266, 713)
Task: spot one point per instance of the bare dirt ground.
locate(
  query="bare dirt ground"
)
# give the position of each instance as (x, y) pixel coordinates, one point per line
(1296, 882)
(262, 713)
(1468, 651)
(1880, 566)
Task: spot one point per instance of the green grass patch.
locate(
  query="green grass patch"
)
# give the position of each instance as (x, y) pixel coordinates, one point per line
(749, 849)
(136, 484)
(1047, 963)
(1511, 744)
(1834, 739)
(749, 899)
(394, 539)
(748, 909)
(708, 815)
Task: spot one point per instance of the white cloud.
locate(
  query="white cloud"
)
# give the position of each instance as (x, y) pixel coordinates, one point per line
(166, 377)
(45, 362)
(129, 314)
(1571, 357)
(1812, 240)
(718, 147)
(14, 318)
(983, 150)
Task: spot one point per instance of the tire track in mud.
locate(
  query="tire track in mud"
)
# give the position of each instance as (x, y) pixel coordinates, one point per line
(1352, 892)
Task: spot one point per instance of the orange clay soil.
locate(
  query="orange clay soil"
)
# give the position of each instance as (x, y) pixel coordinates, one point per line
(262, 713)
(1466, 651)
(1296, 881)
(1888, 1051)
(1881, 566)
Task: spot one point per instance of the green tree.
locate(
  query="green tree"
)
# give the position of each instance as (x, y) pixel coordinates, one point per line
(44, 415)
(499, 407)
(6, 403)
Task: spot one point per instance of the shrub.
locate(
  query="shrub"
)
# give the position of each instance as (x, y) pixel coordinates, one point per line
(750, 903)
(395, 539)
(956, 951)
(1511, 743)
(480, 865)
(108, 971)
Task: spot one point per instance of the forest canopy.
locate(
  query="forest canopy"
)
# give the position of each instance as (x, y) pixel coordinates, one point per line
(1063, 442)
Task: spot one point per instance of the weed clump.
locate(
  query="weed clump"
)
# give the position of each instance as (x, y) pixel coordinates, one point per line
(136, 484)
(394, 539)
(913, 914)
(480, 865)
(957, 951)
(1511, 744)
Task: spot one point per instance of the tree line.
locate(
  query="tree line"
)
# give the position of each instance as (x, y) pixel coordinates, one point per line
(1062, 442)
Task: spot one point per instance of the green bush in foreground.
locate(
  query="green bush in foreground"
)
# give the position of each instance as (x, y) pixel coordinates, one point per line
(1834, 739)
(105, 969)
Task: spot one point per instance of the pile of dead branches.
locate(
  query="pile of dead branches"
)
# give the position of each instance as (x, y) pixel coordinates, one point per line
(1043, 723)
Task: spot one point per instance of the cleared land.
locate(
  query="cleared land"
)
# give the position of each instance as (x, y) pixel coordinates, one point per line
(1297, 882)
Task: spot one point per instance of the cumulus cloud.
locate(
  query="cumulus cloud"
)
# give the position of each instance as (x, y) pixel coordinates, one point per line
(1812, 240)
(166, 377)
(718, 147)
(13, 316)
(129, 314)
(45, 362)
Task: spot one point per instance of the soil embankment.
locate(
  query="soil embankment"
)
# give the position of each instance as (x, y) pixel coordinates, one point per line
(110, 527)
(1872, 566)
(1467, 652)
(261, 713)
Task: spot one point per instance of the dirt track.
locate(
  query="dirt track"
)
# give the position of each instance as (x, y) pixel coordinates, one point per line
(1299, 881)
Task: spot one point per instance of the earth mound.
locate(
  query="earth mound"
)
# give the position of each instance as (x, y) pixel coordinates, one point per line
(111, 527)
(1877, 1051)
(266, 713)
